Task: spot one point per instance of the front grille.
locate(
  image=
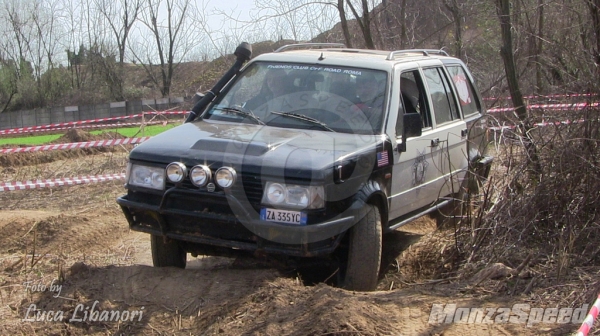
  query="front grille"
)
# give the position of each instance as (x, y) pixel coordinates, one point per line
(247, 186)
(252, 187)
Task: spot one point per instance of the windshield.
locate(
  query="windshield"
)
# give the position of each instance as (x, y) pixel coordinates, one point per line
(295, 95)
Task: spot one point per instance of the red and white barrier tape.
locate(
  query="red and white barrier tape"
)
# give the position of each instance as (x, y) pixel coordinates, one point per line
(546, 97)
(551, 107)
(166, 112)
(74, 145)
(589, 320)
(82, 122)
(38, 184)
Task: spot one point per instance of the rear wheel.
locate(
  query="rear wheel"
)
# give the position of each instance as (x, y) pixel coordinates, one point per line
(167, 252)
(364, 253)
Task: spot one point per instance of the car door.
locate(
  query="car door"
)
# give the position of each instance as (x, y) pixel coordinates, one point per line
(424, 173)
(450, 137)
(415, 171)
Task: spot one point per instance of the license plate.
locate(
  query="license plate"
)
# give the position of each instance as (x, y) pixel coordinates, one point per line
(283, 216)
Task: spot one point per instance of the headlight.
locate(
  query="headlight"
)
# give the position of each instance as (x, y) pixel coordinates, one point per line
(275, 193)
(225, 177)
(148, 177)
(200, 175)
(176, 172)
(294, 196)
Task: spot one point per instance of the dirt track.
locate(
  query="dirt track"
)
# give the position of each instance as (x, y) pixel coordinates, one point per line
(78, 238)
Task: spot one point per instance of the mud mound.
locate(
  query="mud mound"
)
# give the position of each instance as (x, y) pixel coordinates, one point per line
(285, 307)
(172, 301)
(79, 135)
(13, 160)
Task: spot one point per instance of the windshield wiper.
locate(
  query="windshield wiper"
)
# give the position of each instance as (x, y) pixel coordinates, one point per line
(304, 118)
(236, 110)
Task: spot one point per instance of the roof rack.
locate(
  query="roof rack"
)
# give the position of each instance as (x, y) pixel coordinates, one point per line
(310, 46)
(425, 52)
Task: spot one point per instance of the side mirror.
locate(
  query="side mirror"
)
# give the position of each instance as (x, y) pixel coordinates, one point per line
(412, 126)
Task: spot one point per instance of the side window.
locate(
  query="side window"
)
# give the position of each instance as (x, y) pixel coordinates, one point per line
(413, 98)
(465, 89)
(444, 106)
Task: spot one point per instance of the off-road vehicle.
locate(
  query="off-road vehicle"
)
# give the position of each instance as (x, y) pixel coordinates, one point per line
(314, 150)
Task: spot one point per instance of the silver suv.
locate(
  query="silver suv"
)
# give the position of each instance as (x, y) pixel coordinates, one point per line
(314, 150)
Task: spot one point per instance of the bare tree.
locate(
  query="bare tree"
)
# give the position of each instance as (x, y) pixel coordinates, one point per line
(455, 8)
(73, 21)
(363, 18)
(119, 17)
(8, 83)
(170, 40)
(31, 44)
(507, 53)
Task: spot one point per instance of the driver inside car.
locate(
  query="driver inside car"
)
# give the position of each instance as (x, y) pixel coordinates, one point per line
(274, 85)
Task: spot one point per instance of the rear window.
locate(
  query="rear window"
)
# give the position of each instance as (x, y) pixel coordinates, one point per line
(465, 90)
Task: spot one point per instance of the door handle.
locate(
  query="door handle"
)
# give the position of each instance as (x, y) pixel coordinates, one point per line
(464, 133)
(435, 142)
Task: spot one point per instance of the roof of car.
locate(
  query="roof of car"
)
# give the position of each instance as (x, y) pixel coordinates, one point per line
(340, 55)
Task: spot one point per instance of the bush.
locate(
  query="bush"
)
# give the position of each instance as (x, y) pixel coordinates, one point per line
(550, 212)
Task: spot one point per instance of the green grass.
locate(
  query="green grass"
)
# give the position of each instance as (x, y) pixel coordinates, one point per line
(129, 132)
(30, 140)
(36, 140)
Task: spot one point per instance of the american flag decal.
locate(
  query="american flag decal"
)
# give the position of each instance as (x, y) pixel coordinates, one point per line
(382, 159)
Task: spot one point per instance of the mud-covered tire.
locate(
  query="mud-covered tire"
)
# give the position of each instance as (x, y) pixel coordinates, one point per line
(169, 254)
(364, 252)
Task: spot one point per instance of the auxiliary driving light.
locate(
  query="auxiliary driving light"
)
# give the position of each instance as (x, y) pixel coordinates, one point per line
(200, 175)
(176, 172)
(225, 177)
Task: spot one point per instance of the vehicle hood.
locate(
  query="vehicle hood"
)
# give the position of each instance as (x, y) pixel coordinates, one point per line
(258, 149)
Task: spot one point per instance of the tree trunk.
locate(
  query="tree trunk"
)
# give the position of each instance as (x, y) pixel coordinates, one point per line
(364, 22)
(403, 29)
(539, 78)
(454, 9)
(506, 51)
(344, 23)
(594, 6)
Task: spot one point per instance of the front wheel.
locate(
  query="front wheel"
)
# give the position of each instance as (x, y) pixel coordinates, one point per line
(167, 253)
(364, 252)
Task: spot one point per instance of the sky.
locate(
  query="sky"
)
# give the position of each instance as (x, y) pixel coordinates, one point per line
(238, 9)
(302, 24)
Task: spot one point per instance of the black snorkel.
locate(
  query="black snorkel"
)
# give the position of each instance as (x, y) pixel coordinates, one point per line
(243, 53)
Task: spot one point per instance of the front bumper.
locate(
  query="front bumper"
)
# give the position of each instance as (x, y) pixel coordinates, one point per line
(241, 228)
